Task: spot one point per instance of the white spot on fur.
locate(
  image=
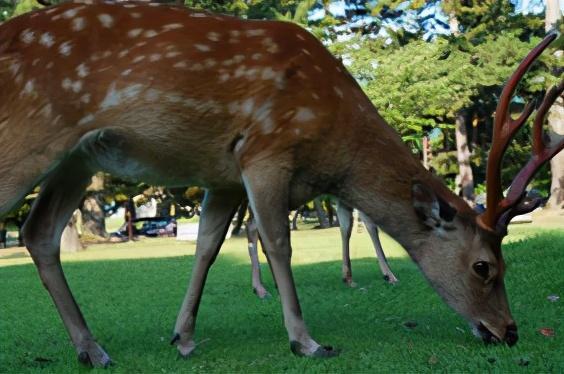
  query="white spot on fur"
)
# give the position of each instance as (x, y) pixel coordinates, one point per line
(198, 15)
(65, 48)
(338, 92)
(210, 63)
(47, 40)
(138, 59)
(27, 36)
(172, 26)
(238, 59)
(116, 97)
(86, 119)
(29, 86)
(155, 57)
(268, 73)
(150, 33)
(85, 98)
(256, 56)
(197, 67)
(213, 36)
(318, 68)
(257, 32)
(297, 131)
(315, 96)
(106, 20)
(126, 72)
(130, 6)
(66, 84)
(304, 115)
(71, 13)
(135, 14)
(76, 86)
(306, 51)
(140, 44)
(247, 106)
(78, 24)
(299, 36)
(224, 77)
(172, 54)
(180, 65)
(82, 70)
(123, 53)
(202, 47)
(133, 33)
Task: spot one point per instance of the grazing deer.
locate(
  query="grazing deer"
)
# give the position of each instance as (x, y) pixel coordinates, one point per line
(177, 97)
(345, 215)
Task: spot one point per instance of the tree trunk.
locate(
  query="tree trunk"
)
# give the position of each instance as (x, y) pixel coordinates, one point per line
(464, 179)
(70, 241)
(94, 219)
(555, 122)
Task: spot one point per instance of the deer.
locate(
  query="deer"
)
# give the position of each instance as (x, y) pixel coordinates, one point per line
(346, 220)
(179, 97)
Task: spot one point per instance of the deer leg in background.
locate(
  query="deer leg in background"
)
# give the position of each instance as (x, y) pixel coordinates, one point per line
(252, 239)
(240, 218)
(344, 213)
(218, 209)
(59, 196)
(295, 219)
(267, 188)
(382, 261)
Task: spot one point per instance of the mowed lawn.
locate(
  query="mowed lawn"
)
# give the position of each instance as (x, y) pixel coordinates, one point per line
(130, 294)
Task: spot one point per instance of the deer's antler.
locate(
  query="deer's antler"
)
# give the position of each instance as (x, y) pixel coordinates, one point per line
(501, 210)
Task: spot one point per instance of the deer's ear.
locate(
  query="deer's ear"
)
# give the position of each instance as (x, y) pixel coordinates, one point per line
(432, 210)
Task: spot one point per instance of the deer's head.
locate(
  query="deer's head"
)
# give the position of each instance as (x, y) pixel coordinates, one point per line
(462, 255)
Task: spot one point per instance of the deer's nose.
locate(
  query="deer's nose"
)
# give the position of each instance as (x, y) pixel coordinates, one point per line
(511, 335)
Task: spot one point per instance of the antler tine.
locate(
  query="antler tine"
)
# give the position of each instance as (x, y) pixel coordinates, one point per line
(504, 130)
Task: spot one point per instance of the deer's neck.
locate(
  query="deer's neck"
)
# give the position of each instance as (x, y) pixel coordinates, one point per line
(381, 179)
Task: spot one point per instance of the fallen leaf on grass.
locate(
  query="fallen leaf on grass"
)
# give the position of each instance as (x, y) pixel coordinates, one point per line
(546, 331)
(553, 298)
(433, 360)
(410, 324)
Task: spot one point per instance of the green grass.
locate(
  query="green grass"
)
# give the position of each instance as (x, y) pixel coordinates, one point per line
(131, 301)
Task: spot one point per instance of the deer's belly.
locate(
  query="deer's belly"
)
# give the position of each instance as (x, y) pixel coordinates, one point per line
(170, 162)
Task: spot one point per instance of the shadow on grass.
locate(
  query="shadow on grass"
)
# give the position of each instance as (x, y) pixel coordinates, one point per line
(131, 306)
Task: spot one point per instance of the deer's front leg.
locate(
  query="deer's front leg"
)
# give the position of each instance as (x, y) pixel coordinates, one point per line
(267, 188)
(218, 209)
(59, 196)
(345, 215)
(252, 240)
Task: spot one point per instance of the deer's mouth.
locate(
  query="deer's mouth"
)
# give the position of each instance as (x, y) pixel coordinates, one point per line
(489, 336)
(481, 331)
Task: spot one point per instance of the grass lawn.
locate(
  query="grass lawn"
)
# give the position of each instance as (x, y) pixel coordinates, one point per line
(130, 294)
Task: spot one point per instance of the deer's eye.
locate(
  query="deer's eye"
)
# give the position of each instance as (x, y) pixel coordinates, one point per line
(482, 268)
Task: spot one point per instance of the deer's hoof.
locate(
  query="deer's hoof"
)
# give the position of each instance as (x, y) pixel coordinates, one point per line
(390, 279)
(321, 352)
(94, 356)
(185, 350)
(262, 293)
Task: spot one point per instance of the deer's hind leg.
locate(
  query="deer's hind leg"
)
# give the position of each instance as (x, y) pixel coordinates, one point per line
(345, 215)
(59, 196)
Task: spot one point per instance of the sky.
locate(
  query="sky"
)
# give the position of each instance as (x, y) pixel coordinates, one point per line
(431, 20)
